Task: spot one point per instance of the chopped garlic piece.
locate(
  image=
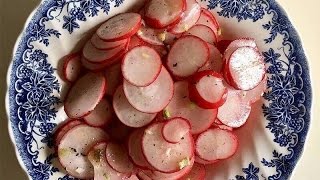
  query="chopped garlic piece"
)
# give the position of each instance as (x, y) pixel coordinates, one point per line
(219, 32)
(185, 27)
(162, 36)
(144, 55)
(149, 132)
(184, 162)
(166, 114)
(63, 152)
(192, 105)
(79, 170)
(168, 151)
(139, 32)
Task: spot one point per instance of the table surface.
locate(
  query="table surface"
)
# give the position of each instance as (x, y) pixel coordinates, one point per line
(304, 17)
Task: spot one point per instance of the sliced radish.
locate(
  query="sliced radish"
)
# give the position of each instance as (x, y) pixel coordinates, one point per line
(201, 161)
(181, 106)
(72, 67)
(101, 115)
(223, 44)
(152, 98)
(114, 78)
(118, 131)
(197, 172)
(118, 159)
(246, 68)
(170, 38)
(150, 35)
(234, 112)
(206, 18)
(127, 114)
(216, 144)
(254, 94)
(207, 89)
(175, 129)
(84, 95)
(204, 32)
(141, 66)
(163, 13)
(187, 55)
(136, 41)
(135, 149)
(222, 126)
(215, 62)
(103, 45)
(62, 130)
(189, 18)
(119, 27)
(102, 170)
(93, 67)
(165, 156)
(234, 45)
(73, 149)
(97, 56)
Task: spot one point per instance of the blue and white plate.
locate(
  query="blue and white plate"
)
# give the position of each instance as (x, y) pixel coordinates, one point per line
(270, 144)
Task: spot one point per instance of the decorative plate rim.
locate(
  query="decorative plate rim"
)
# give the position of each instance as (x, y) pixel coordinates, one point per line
(299, 52)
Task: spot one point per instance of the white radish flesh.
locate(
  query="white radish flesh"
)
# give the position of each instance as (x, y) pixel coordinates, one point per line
(204, 32)
(150, 35)
(141, 66)
(61, 131)
(152, 98)
(119, 27)
(135, 149)
(103, 45)
(234, 45)
(187, 55)
(101, 115)
(254, 94)
(181, 106)
(93, 67)
(215, 62)
(162, 155)
(73, 149)
(84, 95)
(118, 159)
(175, 129)
(216, 144)
(206, 18)
(127, 114)
(72, 67)
(114, 78)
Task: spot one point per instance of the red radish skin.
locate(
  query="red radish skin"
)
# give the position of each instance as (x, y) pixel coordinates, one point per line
(73, 149)
(101, 115)
(72, 67)
(62, 130)
(118, 159)
(206, 18)
(222, 45)
(246, 68)
(102, 169)
(215, 62)
(102, 45)
(207, 89)
(119, 27)
(187, 55)
(161, 13)
(127, 114)
(162, 155)
(216, 144)
(175, 129)
(152, 98)
(234, 112)
(204, 32)
(93, 67)
(214, 20)
(141, 66)
(189, 18)
(198, 172)
(222, 126)
(201, 161)
(181, 106)
(135, 149)
(84, 95)
(114, 78)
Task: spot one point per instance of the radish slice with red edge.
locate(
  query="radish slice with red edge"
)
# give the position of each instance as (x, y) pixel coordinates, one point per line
(181, 106)
(163, 13)
(135, 149)
(222, 126)
(189, 18)
(136, 41)
(235, 44)
(102, 170)
(101, 115)
(97, 56)
(62, 130)
(118, 159)
(73, 149)
(72, 67)
(201, 161)
(215, 62)
(175, 129)
(198, 172)
(204, 32)
(119, 27)
(254, 94)
(187, 55)
(141, 66)
(207, 89)
(246, 68)
(150, 35)
(114, 78)
(103, 45)
(84, 95)
(127, 114)
(206, 18)
(152, 98)
(216, 144)
(165, 156)
(234, 113)
(170, 38)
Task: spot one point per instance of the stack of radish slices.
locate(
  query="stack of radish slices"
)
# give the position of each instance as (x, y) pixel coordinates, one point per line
(157, 95)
